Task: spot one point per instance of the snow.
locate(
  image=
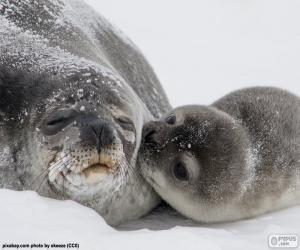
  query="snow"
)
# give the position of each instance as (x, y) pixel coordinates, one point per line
(200, 50)
(47, 221)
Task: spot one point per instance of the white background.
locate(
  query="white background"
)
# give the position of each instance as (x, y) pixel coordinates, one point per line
(201, 50)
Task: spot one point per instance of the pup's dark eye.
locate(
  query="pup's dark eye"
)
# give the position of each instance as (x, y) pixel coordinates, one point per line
(180, 171)
(171, 119)
(125, 123)
(55, 122)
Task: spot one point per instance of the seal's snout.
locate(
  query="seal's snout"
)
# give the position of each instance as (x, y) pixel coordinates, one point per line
(97, 132)
(103, 133)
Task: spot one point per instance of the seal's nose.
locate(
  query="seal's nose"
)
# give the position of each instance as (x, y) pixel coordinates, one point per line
(95, 131)
(103, 133)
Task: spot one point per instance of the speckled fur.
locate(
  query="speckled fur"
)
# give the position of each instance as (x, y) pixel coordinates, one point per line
(62, 54)
(242, 152)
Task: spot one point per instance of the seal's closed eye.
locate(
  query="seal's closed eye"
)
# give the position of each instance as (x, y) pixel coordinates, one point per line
(55, 122)
(125, 123)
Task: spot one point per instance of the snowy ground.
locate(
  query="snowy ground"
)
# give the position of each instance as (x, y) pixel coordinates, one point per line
(26, 217)
(200, 50)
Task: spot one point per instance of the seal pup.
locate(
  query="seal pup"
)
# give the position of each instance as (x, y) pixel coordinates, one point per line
(234, 159)
(74, 95)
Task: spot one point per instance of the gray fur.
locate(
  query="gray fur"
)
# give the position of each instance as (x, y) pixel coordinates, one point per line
(63, 55)
(242, 154)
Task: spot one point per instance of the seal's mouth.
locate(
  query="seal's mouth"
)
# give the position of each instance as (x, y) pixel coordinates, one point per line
(95, 167)
(98, 168)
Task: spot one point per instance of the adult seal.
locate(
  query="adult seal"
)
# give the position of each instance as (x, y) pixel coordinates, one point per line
(234, 159)
(74, 95)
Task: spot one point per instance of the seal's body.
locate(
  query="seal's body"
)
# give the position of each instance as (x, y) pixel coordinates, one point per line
(235, 159)
(74, 95)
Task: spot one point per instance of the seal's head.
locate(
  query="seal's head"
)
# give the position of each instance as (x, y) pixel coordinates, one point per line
(78, 138)
(195, 158)
(92, 137)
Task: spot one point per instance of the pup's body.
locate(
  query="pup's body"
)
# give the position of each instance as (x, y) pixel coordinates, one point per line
(235, 159)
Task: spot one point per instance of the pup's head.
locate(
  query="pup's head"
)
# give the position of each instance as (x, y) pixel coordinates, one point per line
(194, 155)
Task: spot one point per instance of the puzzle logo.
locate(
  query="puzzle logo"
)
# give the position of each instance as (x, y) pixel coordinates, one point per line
(283, 241)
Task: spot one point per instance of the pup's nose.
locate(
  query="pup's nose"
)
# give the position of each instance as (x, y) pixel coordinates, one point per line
(149, 137)
(150, 134)
(103, 132)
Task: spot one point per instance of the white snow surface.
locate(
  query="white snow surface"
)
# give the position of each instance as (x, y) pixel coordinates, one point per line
(200, 50)
(26, 217)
